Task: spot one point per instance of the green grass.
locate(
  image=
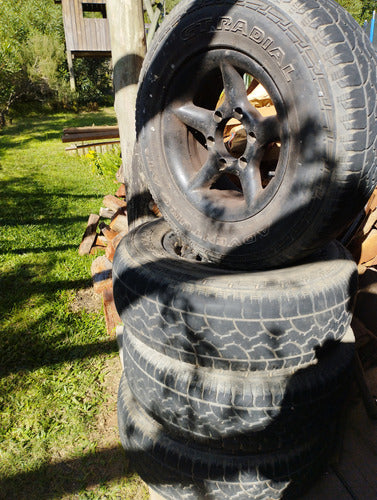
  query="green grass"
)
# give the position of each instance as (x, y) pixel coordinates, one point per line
(54, 359)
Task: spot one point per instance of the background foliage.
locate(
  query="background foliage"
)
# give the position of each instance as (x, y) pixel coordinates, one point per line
(33, 64)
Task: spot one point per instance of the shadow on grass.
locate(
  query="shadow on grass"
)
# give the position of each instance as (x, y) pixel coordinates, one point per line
(41, 355)
(68, 476)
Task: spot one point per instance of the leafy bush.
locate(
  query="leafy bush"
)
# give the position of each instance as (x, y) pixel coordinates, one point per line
(105, 164)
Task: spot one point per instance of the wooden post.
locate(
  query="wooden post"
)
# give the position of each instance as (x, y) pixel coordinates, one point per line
(71, 72)
(126, 21)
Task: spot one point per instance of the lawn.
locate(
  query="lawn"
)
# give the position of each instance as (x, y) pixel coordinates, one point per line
(58, 369)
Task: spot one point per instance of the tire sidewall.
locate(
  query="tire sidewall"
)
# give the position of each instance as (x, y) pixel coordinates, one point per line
(307, 101)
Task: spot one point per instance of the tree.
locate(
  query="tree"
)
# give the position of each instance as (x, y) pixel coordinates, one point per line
(31, 51)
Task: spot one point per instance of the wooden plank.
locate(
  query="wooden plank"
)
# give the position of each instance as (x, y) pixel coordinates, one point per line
(89, 235)
(79, 148)
(79, 130)
(95, 135)
(68, 28)
(76, 17)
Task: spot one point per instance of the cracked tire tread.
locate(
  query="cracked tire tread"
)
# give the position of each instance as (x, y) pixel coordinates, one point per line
(238, 411)
(178, 470)
(211, 317)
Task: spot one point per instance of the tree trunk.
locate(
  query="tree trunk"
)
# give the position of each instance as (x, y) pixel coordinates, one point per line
(126, 20)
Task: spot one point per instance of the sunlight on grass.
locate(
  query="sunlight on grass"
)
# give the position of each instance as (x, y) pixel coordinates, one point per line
(53, 358)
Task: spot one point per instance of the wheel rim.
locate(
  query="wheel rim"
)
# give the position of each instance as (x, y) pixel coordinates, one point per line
(224, 182)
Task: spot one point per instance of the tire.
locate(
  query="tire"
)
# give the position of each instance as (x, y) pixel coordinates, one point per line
(238, 411)
(247, 209)
(178, 470)
(210, 317)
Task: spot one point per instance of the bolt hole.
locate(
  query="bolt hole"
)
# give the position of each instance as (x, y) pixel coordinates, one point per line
(218, 116)
(238, 113)
(243, 162)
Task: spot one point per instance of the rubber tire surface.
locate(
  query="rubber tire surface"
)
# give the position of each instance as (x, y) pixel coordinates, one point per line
(212, 317)
(238, 410)
(178, 470)
(325, 69)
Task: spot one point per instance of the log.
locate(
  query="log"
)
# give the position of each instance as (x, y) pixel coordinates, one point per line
(112, 318)
(121, 192)
(114, 203)
(372, 202)
(101, 270)
(106, 213)
(112, 245)
(89, 235)
(94, 135)
(119, 223)
(108, 233)
(370, 222)
(368, 249)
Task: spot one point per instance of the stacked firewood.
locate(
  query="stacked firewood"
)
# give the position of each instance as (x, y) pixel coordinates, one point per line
(103, 238)
(363, 244)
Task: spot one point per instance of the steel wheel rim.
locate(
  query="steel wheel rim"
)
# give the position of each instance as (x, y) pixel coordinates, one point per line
(215, 182)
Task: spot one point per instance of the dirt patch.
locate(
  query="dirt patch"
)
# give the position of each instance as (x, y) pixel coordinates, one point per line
(87, 300)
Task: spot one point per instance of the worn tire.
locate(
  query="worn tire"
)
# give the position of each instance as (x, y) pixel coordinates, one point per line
(211, 317)
(179, 470)
(320, 69)
(250, 411)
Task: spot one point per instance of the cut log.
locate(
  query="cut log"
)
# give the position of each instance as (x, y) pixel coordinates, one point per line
(108, 233)
(89, 235)
(112, 318)
(121, 192)
(368, 249)
(101, 270)
(100, 241)
(370, 222)
(111, 201)
(372, 202)
(106, 213)
(112, 245)
(119, 223)
(154, 209)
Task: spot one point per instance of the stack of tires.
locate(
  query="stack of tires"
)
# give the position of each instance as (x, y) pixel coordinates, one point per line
(236, 303)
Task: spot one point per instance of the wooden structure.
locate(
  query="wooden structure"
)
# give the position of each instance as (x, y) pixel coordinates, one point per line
(86, 29)
(87, 139)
